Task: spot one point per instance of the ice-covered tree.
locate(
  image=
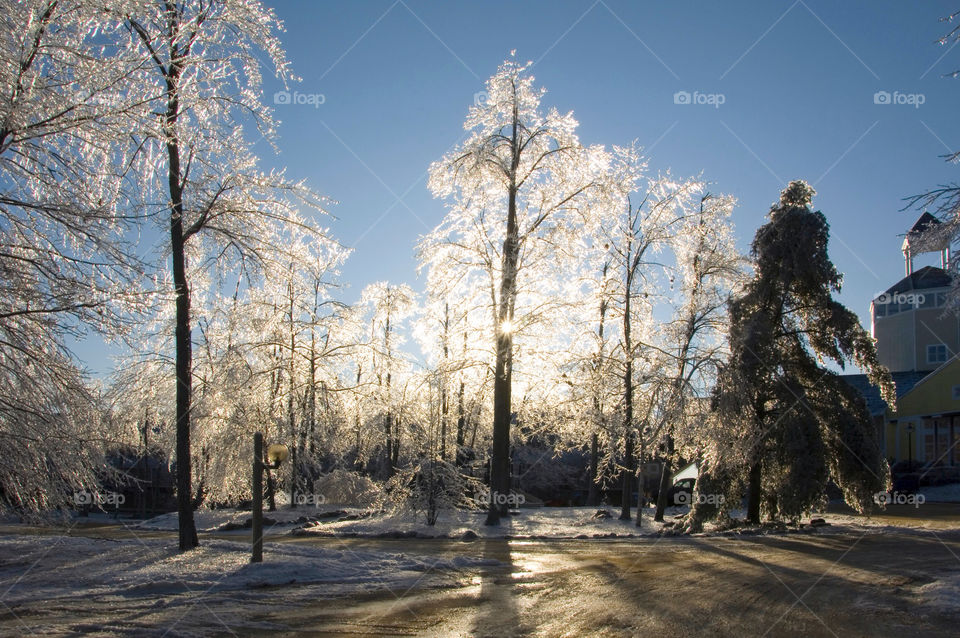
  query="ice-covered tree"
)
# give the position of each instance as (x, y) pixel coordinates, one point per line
(706, 270)
(200, 82)
(944, 200)
(514, 186)
(254, 370)
(64, 265)
(663, 244)
(383, 370)
(793, 423)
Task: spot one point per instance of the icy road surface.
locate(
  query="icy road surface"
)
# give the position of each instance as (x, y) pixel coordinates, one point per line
(874, 582)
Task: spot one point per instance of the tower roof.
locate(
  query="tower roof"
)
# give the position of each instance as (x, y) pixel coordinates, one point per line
(926, 278)
(917, 240)
(925, 221)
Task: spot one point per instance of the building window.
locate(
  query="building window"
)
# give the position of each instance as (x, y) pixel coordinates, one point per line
(936, 353)
(956, 393)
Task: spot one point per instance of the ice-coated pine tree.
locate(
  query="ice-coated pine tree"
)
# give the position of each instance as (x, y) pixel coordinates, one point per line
(786, 423)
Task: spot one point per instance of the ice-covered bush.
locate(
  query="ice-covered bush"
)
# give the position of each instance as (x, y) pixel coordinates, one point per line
(343, 487)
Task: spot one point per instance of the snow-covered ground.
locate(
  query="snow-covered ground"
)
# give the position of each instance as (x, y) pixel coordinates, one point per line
(51, 567)
(208, 520)
(942, 594)
(544, 522)
(547, 522)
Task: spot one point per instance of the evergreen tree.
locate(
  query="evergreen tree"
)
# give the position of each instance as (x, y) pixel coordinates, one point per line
(796, 423)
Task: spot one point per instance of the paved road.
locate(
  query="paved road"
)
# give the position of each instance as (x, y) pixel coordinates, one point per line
(813, 584)
(794, 585)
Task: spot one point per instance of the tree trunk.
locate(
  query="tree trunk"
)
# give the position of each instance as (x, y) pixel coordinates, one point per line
(641, 479)
(388, 451)
(271, 491)
(309, 437)
(444, 400)
(625, 499)
(395, 459)
(184, 356)
(358, 461)
(391, 453)
(593, 493)
(461, 410)
(662, 494)
(753, 494)
(502, 386)
(627, 391)
(461, 422)
(640, 499)
(756, 470)
(503, 370)
(444, 413)
(291, 417)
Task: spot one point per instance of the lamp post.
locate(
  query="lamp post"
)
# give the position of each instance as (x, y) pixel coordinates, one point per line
(276, 454)
(910, 446)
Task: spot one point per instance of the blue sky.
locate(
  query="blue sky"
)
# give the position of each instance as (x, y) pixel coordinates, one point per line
(797, 81)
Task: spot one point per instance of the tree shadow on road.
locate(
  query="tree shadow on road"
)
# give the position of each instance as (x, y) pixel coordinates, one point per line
(498, 615)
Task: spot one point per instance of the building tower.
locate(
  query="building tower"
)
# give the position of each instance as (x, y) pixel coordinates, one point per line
(913, 332)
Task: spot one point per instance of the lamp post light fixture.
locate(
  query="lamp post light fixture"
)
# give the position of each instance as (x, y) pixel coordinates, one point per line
(276, 454)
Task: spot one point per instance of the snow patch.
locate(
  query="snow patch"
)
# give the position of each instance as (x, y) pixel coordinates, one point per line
(943, 594)
(547, 522)
(51, 567)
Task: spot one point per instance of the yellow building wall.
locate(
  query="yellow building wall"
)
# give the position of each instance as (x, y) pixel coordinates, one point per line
(933, 395)
(933, 327)
(899, 447)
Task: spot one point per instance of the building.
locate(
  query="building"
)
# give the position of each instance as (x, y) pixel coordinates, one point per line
(926, 423)
(918, 340)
